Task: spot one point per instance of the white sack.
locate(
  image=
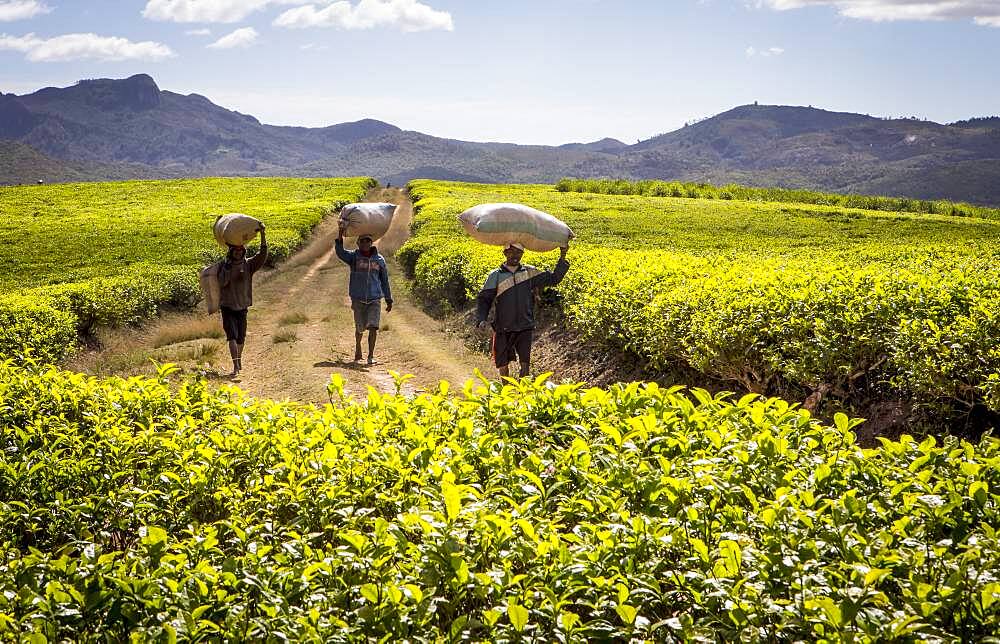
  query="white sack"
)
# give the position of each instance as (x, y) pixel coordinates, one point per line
(502, 223)
(367, 218)
(210, 291)
(235, 229)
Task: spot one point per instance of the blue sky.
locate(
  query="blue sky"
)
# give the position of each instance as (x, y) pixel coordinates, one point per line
(544, 71)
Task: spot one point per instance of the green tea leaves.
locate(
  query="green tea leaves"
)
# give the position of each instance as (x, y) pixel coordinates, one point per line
(517, 614)
(137, 510)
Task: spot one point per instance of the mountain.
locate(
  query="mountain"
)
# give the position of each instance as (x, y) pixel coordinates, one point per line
(108, 128)
(604, 145)
(841, 152)
(133, 121)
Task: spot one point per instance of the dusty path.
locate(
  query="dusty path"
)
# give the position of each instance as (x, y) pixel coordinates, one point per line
(301, 331)
(410, 342)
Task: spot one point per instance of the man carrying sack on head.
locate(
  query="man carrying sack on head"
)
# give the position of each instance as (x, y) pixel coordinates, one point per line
(511, 287)
(236, 295)
(369, 284)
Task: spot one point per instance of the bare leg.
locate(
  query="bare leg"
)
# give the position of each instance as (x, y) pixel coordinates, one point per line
(504, 370)
(524, 369)
(234, 353)
(239, 356)
(372, 337)
(357, 345)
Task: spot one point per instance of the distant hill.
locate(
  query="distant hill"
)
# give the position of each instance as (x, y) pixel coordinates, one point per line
(104, 128)
(20, 163)
(987, 121)
(604, 145)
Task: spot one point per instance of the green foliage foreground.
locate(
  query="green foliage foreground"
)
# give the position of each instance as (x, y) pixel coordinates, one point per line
(503, 511)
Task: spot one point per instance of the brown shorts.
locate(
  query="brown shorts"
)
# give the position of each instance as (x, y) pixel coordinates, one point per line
(507, 344)
(367, 315)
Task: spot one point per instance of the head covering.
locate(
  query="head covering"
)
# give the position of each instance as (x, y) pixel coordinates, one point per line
(363, 237)
(513, 245)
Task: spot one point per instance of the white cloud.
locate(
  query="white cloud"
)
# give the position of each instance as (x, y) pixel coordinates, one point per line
(983, 12)
(766, 53)
(84, 47)
(198, 32)
(21, 9)
(207, 10)
(240, 38)
(407, 15)
(311, 46)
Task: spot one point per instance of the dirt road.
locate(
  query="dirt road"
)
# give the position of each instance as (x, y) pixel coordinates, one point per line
(301, 331)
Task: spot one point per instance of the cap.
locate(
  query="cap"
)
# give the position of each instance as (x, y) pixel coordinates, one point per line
(513, 245)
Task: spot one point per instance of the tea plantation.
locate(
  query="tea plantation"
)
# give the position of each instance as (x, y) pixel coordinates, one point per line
(79, 255)
(143, 510)
(787, 299)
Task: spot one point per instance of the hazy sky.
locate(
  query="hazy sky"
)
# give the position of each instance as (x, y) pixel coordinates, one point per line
(525, 71)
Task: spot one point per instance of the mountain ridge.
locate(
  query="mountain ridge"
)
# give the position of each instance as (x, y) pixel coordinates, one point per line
(118, 127)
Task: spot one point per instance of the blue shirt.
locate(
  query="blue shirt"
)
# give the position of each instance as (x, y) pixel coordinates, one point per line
(369, 276)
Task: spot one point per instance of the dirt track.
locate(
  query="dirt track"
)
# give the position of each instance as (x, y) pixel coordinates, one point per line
(301, 331)
(410, 342)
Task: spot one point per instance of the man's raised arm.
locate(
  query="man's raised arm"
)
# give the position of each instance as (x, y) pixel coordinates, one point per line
(346, 256)
(551, 278)
(257, 261)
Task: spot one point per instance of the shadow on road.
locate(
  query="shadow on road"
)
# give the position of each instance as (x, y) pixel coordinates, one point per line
(342, 364)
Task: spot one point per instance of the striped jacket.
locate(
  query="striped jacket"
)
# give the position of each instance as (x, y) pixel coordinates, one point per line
(514, 295)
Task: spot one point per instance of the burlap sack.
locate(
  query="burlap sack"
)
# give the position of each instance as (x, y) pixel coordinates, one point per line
(499, 224)
(208, 278)
(235, 229)
(367, 218)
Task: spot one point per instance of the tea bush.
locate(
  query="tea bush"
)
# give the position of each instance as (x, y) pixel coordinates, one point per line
(655, 188)
(511, 510)
(32, 327)
(769, 297)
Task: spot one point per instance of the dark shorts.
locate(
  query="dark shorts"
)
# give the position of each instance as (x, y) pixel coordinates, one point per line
(511, 345)
(367, 315)
(234, 323)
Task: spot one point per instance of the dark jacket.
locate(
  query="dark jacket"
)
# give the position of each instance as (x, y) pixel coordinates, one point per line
(514, 295)
(369, 276)
(236, 280)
